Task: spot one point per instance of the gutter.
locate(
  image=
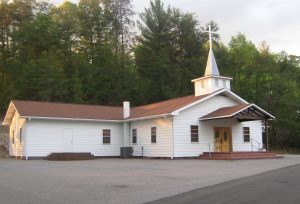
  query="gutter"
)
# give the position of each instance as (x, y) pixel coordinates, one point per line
(150, 117)
(99, 120)
(74, 119)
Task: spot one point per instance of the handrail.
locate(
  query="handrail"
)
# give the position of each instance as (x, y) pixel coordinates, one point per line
(209, 152)
(258, 144)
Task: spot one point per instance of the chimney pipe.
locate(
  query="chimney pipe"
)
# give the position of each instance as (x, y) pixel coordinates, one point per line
(126, 109)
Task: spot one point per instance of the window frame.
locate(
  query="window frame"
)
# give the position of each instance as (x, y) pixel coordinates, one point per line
(106, 134)
(246, 134)
(134, 136)
(153, 135)
(194, 134)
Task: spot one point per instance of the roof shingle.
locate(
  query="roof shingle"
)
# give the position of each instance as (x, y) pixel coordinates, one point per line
(65, 110)
(164, 107)
(79, 111)
(223, 112)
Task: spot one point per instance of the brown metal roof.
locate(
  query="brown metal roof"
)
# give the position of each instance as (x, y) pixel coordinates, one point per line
(65, 110)
(243, 112)
(164, 107)
(224, 112)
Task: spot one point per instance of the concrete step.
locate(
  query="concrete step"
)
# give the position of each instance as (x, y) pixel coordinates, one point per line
(68, 156)
(239, 155)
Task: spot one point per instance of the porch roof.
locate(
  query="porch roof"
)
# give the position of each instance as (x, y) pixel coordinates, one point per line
(244, 112)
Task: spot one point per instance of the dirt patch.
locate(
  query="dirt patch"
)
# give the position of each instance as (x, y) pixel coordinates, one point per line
(3, 152)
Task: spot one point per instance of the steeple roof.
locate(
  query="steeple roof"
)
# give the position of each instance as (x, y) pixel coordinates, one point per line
(211, 66)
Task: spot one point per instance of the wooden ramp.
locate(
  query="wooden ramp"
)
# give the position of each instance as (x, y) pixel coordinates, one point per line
(239, 155)
(68, 156)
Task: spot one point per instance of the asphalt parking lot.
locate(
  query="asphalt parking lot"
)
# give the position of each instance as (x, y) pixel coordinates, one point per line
(277, 186)
(119, 180)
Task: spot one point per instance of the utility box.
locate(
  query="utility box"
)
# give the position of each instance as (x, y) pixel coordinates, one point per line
(126, 152)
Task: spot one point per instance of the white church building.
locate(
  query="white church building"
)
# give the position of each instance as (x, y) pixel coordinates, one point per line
(213, 119)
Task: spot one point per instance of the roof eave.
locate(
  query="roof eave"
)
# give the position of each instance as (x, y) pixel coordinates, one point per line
(149, 117)
(214, 118)
(7, 119)
(212, 76)
(232, 115)
(176, 112)
(73, 119)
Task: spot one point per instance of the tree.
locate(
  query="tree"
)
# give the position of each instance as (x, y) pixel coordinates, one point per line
(169, 51)
(243, 55)
(66, 19)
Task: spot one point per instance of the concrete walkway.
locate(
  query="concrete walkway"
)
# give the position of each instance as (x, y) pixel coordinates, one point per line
(119, 180)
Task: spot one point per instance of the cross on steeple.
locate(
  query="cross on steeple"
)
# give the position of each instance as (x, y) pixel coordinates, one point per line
(211, 66)
(209, 34)
(211, 81)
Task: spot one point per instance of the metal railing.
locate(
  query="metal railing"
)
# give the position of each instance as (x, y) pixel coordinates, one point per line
(209, 151)
(255, 144)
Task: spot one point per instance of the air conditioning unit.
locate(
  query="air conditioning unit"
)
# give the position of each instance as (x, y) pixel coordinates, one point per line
(126, 152)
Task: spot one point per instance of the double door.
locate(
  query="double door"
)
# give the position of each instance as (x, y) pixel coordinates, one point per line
(222, 139)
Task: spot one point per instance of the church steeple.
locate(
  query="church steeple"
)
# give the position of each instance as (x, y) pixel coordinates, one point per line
(211, 65)
(212, 80)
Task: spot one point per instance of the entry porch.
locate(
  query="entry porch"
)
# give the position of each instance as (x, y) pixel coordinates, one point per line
(237, 130)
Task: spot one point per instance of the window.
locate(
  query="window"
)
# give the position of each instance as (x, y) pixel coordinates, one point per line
(246, 134)
(153, 135)
(224, 83)
(194, 133)
(217, 82)
(20, 135)
(133, 136)
(106, 136)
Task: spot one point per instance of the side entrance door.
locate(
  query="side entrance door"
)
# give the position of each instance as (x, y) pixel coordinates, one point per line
(68, 140)
(222, 139)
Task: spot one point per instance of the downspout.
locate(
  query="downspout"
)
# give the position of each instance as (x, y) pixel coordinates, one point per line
(26, 145)
(267, 134)
(26, 154)
(173, 138)
(129, 135)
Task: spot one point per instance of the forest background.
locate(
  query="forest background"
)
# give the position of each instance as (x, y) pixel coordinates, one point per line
(95, 52)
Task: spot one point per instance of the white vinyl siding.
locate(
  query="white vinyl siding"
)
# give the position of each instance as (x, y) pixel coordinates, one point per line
(46, 136)
(255, 134)
(182, 138)
(183, 145)
(164, 141)
(17, 146)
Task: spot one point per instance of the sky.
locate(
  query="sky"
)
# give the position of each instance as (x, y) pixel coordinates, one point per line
(275, 21)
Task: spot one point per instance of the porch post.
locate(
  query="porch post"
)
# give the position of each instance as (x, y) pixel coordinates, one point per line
(267, 134)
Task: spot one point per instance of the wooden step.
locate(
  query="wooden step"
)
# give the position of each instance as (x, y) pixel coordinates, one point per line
(68, 156)
(238, 155)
